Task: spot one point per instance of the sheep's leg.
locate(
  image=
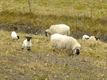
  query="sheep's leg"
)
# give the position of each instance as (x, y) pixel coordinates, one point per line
(28, 48)
(70, 53)
(56, 50)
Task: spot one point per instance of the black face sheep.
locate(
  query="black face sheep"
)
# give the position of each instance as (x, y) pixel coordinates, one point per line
(27, 43)
(14, 35)
(93, 38)
(65, 42)
(58, 28)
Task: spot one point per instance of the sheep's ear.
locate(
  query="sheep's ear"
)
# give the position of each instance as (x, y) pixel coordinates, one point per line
(28, 37)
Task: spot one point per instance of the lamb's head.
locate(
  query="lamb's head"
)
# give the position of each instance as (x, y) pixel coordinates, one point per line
(28, 38)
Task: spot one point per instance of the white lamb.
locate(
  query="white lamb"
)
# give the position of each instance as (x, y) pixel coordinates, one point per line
(58, 28)
(93, 38)
(85, 37)
(60, 41)
(27, 44)
(14, 35)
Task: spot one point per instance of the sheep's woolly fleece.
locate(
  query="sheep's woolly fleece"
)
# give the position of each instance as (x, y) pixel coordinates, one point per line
(14, 35)
(64, 42)
(59, 28)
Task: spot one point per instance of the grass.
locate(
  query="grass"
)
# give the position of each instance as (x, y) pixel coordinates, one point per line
(43, 64)
(83, 15)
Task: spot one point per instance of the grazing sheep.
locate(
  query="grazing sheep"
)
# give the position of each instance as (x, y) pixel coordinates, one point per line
(27, 43)
(85, 37)
(94, 38)
(58, 28)
(14, 35)
(69, 43)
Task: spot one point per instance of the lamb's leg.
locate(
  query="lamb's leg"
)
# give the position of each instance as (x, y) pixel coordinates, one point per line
(29, 49)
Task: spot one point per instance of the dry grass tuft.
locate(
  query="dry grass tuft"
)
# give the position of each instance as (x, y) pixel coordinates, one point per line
(43, 63)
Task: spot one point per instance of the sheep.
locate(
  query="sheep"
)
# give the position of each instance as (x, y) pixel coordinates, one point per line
(14, 35)
(93, 38)
(85, 37)
(58, 28)
(69, 43)
(27, 43)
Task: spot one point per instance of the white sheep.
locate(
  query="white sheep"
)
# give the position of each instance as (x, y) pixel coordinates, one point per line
(14, 35)
(60, 41)
(93, 38)
(27, 43)
(85, 37)
(58, 28)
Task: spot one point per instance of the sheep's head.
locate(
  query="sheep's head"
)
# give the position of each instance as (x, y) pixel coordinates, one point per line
(76, 51)
(28, 38)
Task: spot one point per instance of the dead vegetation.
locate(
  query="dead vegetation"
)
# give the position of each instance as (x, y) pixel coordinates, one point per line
(44, 64)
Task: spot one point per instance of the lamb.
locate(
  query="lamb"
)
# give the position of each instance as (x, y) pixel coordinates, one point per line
(27, 43)
(69, 43)
(58, 28)
(94, 38)
(14, 35)
(85, 37)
